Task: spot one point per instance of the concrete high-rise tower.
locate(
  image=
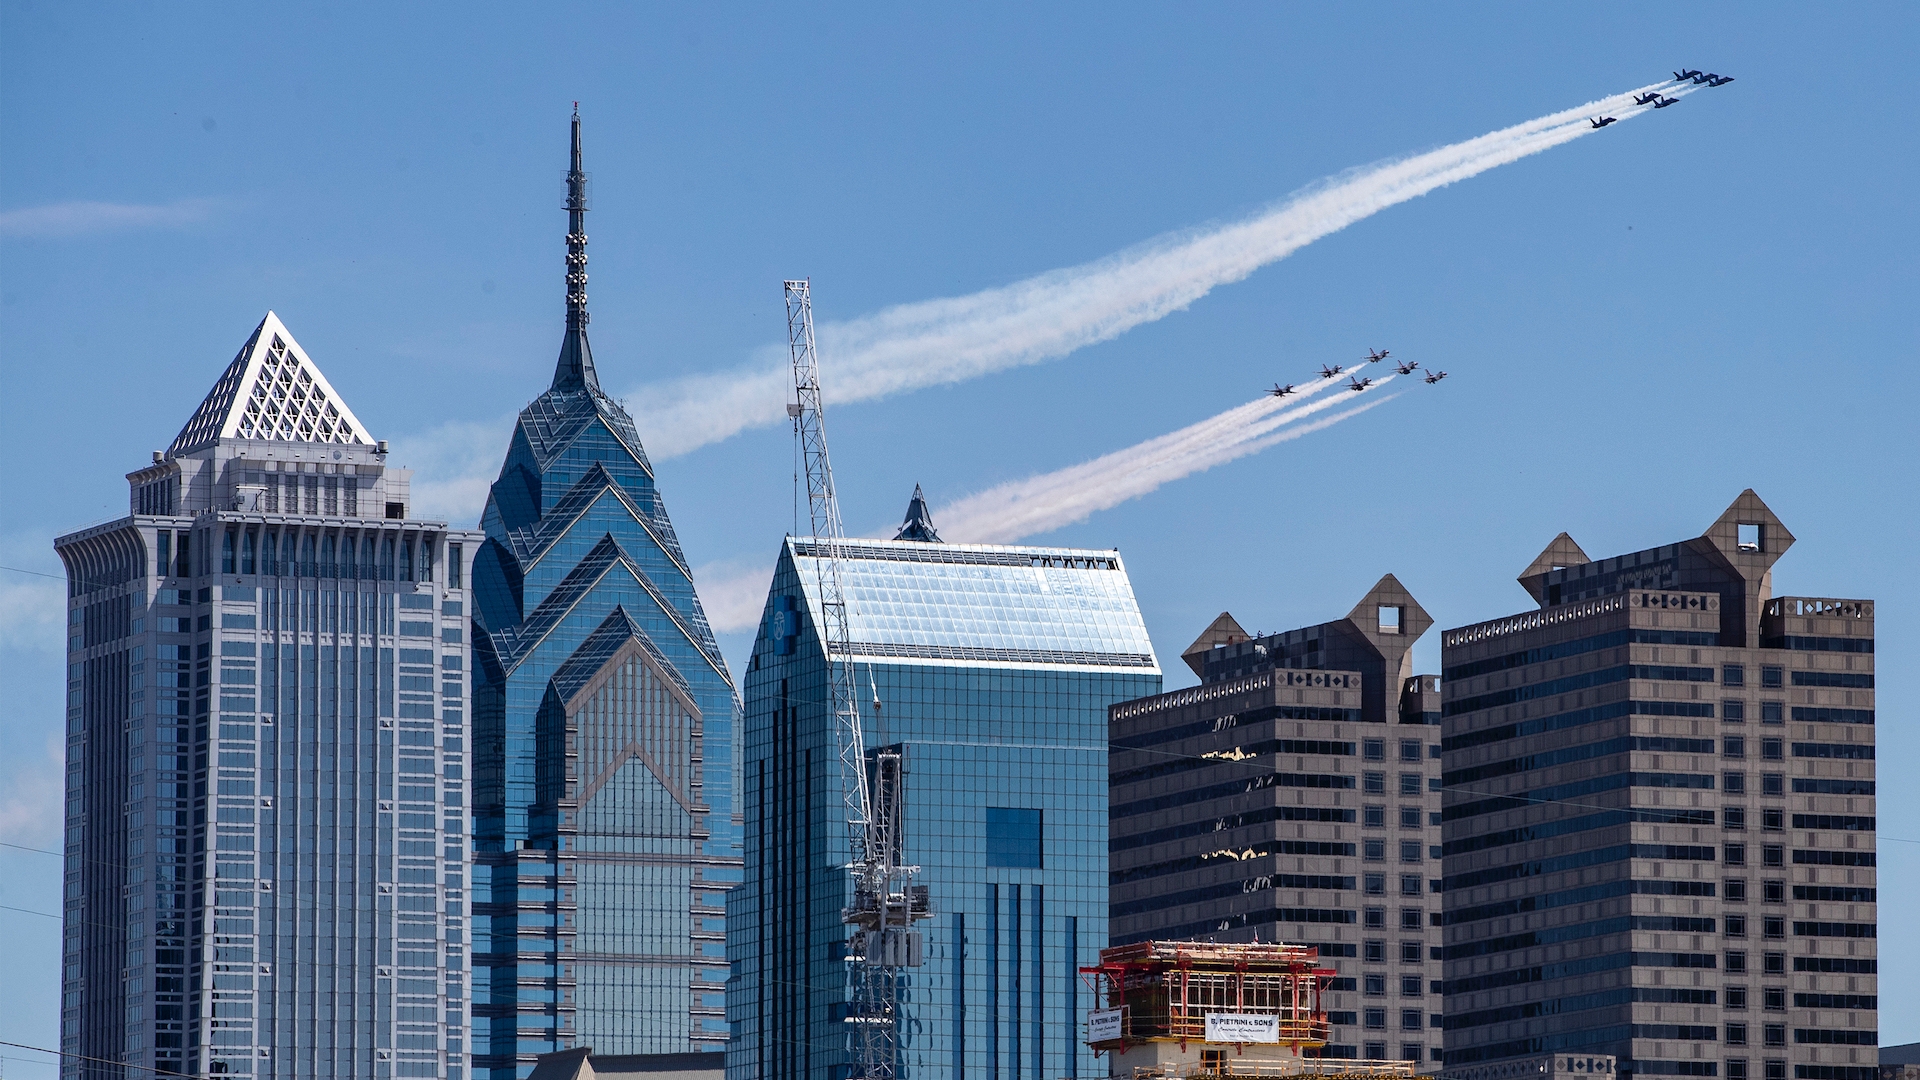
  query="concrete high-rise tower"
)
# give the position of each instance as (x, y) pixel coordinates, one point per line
(1659, 817)
(266, 744)
(603, 770)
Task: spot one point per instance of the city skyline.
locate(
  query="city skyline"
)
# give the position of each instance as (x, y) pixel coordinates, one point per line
(1718, 331)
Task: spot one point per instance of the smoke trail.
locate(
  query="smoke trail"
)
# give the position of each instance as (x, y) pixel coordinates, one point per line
(1048, 316)
(1038, 504)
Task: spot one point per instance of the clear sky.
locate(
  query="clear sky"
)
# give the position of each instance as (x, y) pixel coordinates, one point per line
(1639, 324)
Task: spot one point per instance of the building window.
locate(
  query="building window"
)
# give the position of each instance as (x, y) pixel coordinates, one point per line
(1734, 783)
(1410, 986)
(1773, 855)
(1773, 749)
(1776, 1034)
(1412, 1020)
(1776, 1069)
(1374, 816)
(1409, 851)
(1737, 1068)
(1409, 884)
(1376, 1051)
(1734, 818)
(1374, 783)
(246, 551)
(1375, 918)
(1376, 985)
(1772, 677)
(1770, 712)
(1733, 712)
(1409, 817)
(1773, 783)
(1736, 997)
(1773, 926)
(1736, 926)
(1375, 952)
(1410, 750)
(1373, 749)
(1736, 962)
(1390, 618)
(454, 566)
(1773, 892)
(1735, 890)
(1734, 854)
(1409, 783)
(1750, 536)
(1410, 952)
(1773, 819)
(1773, 998)
(1733, 746)
(1736, 1034)
(1774, 963)
(1376, 884)
(1411, 918)
(1375, 1019)
(226, 553)
(1733, 674)
(1013, 837)
(1374, 850)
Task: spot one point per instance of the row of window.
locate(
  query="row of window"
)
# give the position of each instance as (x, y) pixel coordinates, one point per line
(1375, 918)
(1412, 751)
(1410, 817)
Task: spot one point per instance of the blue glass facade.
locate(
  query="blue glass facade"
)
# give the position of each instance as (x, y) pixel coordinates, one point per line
(604, 714)
(994, 667)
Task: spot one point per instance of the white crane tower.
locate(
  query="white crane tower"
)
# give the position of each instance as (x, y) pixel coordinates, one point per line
(885, 902)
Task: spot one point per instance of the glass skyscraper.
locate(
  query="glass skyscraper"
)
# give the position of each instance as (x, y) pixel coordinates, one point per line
(993, 668)
(266, 749)
(603, 741)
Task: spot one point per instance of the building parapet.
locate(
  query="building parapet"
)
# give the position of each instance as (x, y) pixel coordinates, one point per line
(1585, 609)
(1543, 1067)
(1819, 606)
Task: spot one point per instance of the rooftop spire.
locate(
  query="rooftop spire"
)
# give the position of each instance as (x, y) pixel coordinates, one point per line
(919, 522)
(575, 368)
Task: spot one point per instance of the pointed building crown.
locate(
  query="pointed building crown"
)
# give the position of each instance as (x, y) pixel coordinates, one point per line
(574, 370)
(919, 522)
(270, 391)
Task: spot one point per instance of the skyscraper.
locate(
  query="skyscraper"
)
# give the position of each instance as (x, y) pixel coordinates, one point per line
(993, 668)
(603, 729)
(266, 741)
(1293, 796)
(1659, 820)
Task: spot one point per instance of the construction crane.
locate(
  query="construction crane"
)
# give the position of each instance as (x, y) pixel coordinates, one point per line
(885, 903)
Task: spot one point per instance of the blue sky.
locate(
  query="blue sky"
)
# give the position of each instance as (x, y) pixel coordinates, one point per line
(1639, 324)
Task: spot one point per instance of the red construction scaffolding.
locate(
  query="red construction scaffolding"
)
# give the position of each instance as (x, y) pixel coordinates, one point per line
(1163, 990)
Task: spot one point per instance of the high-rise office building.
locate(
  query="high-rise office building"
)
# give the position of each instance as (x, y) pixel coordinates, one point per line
(603, 719)
(266, 738)
(1659, 816)
(1293, 796)
(993, 668)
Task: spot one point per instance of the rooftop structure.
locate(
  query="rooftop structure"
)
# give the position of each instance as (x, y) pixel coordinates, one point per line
(267, 738)
(604, 713)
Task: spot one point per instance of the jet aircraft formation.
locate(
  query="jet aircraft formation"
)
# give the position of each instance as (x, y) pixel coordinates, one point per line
(1358, 383)
(1655, 99)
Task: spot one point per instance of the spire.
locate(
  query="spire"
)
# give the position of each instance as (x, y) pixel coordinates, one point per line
(574, 371)
(919, 523)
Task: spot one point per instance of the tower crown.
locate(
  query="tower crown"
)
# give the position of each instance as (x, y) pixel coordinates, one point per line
(574, 370)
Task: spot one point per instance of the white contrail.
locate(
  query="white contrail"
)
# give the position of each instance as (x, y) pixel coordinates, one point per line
(1039, 504)
(1048, 316)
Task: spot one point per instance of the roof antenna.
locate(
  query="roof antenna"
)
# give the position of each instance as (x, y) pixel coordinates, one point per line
(575, 368)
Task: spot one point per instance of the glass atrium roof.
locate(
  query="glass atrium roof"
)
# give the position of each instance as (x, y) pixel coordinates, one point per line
(986, 603)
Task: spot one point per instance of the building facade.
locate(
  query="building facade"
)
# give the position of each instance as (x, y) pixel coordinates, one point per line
(1293, 796)
(992, 668)
(1659, 817)
(266, 747)
(605, 829)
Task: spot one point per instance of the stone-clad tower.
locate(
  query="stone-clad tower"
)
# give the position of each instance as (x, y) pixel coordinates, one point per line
(266, 740)
(604, 718)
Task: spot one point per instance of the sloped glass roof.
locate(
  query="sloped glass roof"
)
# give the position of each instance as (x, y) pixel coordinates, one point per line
(985, 603)
(271, 390)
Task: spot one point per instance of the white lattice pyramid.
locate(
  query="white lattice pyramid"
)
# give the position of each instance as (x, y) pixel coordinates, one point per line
(271, 391)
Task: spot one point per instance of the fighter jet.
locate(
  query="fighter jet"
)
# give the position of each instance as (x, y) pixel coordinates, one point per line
(1374, 356)
(1666, 101)
(1407, 368)
(1683, 76)
(1281, 391)
(1357, 384)
(1435, 376)
(1646, 99)
(1329, 372)
(1603, 121)
(1719, 80)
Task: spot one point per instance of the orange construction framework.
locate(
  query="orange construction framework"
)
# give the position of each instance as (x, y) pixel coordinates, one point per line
(1165, 989)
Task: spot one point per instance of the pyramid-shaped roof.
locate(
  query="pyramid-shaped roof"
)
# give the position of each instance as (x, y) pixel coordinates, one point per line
(270, 391)
(919, 522)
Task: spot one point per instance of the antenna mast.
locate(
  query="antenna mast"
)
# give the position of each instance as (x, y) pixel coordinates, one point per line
(885, 903)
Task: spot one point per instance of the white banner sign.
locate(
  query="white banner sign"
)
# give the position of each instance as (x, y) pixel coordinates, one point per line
(1103, 1024)
(1226, 1027)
